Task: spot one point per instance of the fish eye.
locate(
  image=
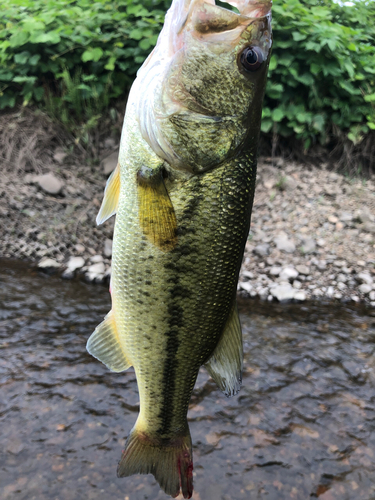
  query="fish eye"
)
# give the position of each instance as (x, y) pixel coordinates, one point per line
(251, 58)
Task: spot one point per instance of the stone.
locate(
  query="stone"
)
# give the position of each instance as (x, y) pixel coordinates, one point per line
(321, 242)
(354, 298)
(75, 263)
(300, 296)
(297, 284)
(346, 217)
(49, 183)
(262, 250)
(317, 292)
(333, 219)
(59, 156)
(364, 288)
(110, 163)
(372, 295)
(364, 215)
(365, 278)
(321, 265)
(275, 270)
(341, 278)
(67, 274)
(341, 286)
(330, 291)
(108, 247)
(98, 268)
(48, 265)
(245, 285)
(302, 269)
(308, 246)
(284, 244)
(96, 258)
(288, 273)
(369, 227)
(283, 292)
(79, 248)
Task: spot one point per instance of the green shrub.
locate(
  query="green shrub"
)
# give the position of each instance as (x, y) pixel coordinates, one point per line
(73, 57)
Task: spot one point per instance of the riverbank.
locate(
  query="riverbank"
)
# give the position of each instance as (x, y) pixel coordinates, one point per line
(312, 233)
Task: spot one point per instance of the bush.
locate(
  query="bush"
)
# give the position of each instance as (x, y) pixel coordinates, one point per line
(74, 57)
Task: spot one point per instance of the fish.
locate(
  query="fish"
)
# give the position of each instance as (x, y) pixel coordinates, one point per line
(182, 193)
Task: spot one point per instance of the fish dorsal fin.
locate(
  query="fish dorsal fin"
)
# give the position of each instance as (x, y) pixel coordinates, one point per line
(111, 196)
(104, 344)
(225, 364)
(157, 217)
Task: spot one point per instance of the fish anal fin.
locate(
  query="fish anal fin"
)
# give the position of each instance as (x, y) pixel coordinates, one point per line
(169, 460)
(104, 344)
(111, 197)
(226, 362)
(157, 217)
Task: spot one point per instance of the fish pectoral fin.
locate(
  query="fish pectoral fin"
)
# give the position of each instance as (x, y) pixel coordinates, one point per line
(104, 344)
(111, 197)
(157, 217)
(226, 362)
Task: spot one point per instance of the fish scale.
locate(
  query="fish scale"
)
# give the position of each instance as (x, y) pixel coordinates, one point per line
(183, 193)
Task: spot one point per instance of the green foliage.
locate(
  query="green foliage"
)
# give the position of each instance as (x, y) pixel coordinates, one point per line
(322, 72)
(74, 57)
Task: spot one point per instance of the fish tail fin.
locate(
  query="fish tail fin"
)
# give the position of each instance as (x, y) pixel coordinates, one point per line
(169, 460)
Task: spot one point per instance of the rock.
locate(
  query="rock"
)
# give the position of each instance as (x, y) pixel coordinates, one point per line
(96, 258)
(333, 219)
(308, 246)
(245, 285)
(302, 269)
(300, 296)
(365, 278)
(297, 284)
(68, 274)
(321, 265)
(96, 272)
(288, 274)
(365, 288)
(275, 270)
(283, 292)
(49, 183)
(284, 244)
(108, 247)
(290, 184)
(346, 217)
(48, 265)
(364, 215)
(369, 227)
(109, 143)
(59, 156)
(317, 292)
(330, 291)
(342, 278)
(354, 298)
(262, 250)
(110, 163)
(75, 263)
(372, 295)
(341, 286)
(79, 248)
(320, 242)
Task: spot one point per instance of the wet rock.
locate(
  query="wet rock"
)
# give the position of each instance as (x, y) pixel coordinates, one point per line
(49, 183)
(283, 292)
(364, 288)
(288, 273)
(110, 163)
(262, 250)
(284, 244)
(108, 247)
(302, 269)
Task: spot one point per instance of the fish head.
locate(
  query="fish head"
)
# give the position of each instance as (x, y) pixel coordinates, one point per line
(200, 92)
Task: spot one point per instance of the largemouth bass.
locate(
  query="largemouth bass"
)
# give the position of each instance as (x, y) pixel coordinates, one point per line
(183, 193)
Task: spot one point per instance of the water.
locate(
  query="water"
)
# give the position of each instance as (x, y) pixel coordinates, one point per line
(301, 427)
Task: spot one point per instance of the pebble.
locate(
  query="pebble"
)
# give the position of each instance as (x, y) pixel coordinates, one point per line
(297, 284)
(59, 156)
(288, 273)
(372, 295)
(49, 183)
(341, 286)
(365, 288)
(275, 270)
(75, 263)
(284, 244)
(302, 269)
(283, 292)
(96, 258)
(79, 248)
(308, 246)
(46, 263)
(262, 250)
(300, 296)
(365, 278)
(245, 285)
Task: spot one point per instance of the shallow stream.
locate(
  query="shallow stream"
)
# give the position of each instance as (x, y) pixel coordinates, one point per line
(302, 426)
